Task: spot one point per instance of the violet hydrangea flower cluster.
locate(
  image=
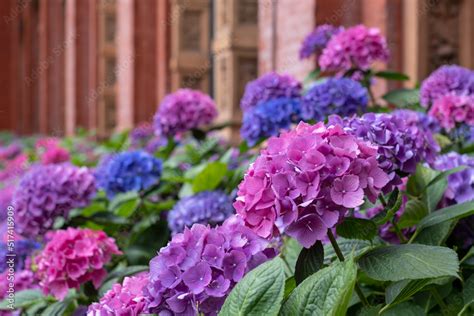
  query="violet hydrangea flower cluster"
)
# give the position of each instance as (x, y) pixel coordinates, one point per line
(207, 208)
(47, 192)
(270, 86)
(182, 111)
(400, 146)
(447, 80)
(123, 299)
(341, 96)
(355, 47)
(306, 179)
(418, 119)
(128, 171)
(22, 251)
(73, 257)
(199, 267)
(268, 118)
(317, 40)
(453, 110)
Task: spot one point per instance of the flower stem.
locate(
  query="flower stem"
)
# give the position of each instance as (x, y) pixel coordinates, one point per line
(341, 258)
(439, 300)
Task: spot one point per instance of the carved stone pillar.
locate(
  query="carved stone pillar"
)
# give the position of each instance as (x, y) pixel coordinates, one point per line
(190, 36)
(235, 51)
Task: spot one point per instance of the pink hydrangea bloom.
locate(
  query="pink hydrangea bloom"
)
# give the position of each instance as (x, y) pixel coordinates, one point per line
(356, 47)
(51, 152)
(123, 299)
(452, 109)
(305, 181)
(72, 257)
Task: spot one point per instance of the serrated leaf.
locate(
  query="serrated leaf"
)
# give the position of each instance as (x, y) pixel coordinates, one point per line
(418, 182)
(415, 210)
(402, 97)
(327, 292)
(405, 309)
(453, 212)
(348, 247)
(260, 292)
(400, 291)
(210, 177)
(357, 228)
(434, 235)
(23, 298)
(415, 261)
(309, 261)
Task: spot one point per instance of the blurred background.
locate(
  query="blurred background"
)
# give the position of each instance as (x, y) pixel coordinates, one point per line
(104, 65)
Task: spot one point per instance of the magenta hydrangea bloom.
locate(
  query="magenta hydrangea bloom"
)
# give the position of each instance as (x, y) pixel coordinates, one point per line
(268, 87)
(316, 41)
(123, 299)
(356, 47)
(451, 110)
(182, 111)
(305, 180)
(73, 257)
(446, 80)
(199, 267)
(50, 152)
(47, 192)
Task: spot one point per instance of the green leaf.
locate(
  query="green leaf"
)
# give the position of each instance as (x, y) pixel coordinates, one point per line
(402, 97)
(127, 208)
(122, 198)
(403, 290)
(22, 299)
(453, 212)
(434, 193)
(468, 255)
(290, 285)
(468, 293)
(309, 261)
(392, 75)
(415, 210)
(327, 292)
(260, 292)
(405, 309)
(434, 235)
(394, 203)
(418, 182)
(57, 308)
(357, 228)
(415, 261)
(348, 247)
(210, 177)
(289, 253)
(370, 311)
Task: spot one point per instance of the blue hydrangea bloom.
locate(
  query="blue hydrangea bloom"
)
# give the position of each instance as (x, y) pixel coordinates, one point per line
(340, 96)
(269, 118)
(209, 207)
(128, 171)
(22, 250)
(316, 41)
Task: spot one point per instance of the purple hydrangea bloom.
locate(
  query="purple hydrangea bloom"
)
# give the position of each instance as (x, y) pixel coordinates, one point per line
(182, 111)
(419, 119)
(317, 40)
(123, 299)
(268, 118)
(400, 146)
(47, 192)
(446, 80)
(270, 86)
(22, 250)
(209, 207)
(341, 96)
(199, 267)
(356, 47)
(128, 171)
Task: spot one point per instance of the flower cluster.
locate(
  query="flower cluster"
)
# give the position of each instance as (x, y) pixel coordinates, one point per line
(451, 110)
(23, 249)
(200, 266)
(446, 80)
(356, 47)
(24, 280)
(123, 299)
(317, 40)
(269, 118)
(270, 86)
(182, 111)
(306, 179)
(50, 152)
(341, 96)
(209, 207)
(419, 120)
(73, 257)
(47, 192)
(128, 171)
(10, 151)
(400, 146)
(143, 136)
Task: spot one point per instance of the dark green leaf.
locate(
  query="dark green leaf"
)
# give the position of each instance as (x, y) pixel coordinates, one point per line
(126, 209)
(357, 228)
(402, 97)
(370, 311)
(57, 308)
(405, 309)
(434, 235)
(348, 247)
(392, 75)
(415, 210)
(403, 290)
(22, 299)
(210, 177)
(309, 261)
(290, 285)
(416, 261)
(327, 292)
(122, 198)
(260, 292)
(394, 203)
(468, 292)
(453, 212)
(418, 182)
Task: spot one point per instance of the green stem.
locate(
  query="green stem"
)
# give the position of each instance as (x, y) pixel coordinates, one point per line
(339, 254)
(439, 300)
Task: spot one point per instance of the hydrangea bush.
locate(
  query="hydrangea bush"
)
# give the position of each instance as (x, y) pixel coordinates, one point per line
(341, 199)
